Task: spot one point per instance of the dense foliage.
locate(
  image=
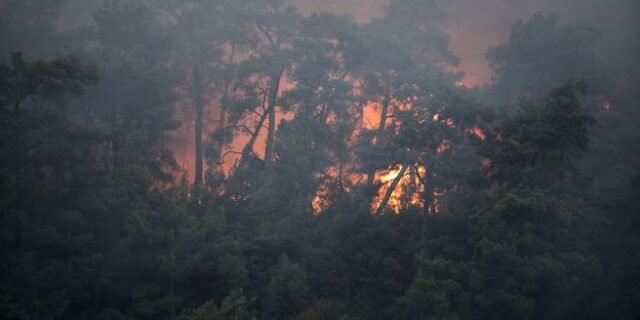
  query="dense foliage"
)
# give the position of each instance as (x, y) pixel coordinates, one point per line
(386, 192)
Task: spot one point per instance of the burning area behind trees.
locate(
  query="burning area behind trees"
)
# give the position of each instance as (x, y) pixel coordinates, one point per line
(306, 159)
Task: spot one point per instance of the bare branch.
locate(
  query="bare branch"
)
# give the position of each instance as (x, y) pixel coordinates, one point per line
(226, 154)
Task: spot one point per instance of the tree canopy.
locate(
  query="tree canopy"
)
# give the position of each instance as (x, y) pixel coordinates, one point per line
(338, 169)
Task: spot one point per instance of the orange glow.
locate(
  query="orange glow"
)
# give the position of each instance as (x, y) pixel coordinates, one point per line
(388, 176)
(321, 201)
(444, 146)
(451, 123)
(436, 206)
(478, 133)
(408, 192)
(332, 183)
(371, 116)
(182, 141)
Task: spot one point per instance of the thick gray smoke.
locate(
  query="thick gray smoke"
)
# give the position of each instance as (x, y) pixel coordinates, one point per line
(476, 25)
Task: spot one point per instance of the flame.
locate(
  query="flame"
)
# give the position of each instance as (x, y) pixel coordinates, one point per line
(389, 176)
(327, 191)
(321, 201)
(606, 106)
(371, 115)
(436, 206)
(451, 123)
(408, 192)
(444, 146)
(478, 133)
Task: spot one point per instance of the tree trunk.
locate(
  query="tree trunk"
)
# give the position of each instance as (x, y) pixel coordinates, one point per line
(198, 104)
(271, 132)
(383, 120)
(428, 201)
(254, 135)
(219, 137)
(394, 184)
(385, 113)
(271, 107)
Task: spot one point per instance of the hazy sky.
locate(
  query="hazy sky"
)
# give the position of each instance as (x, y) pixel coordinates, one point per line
(474, 25)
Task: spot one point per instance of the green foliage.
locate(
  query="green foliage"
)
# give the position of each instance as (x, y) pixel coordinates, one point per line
(94, 225)
(50, 80)
(234, 307)
(542, 54)
(286, 292)
(540, 145)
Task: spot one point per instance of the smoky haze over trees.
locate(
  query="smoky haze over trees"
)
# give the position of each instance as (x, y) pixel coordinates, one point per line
(401, 159)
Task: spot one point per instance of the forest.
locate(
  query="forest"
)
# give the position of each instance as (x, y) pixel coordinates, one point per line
(319, 159)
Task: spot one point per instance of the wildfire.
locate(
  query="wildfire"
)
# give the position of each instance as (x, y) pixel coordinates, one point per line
(436, 206)
(389, 176)
(407, 193)
(400, 186)
(478, 133)
(321, 201)
(444, 146)
(331, 185)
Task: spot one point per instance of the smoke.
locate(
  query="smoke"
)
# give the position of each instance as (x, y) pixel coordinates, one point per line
(78, 13)
(361, 10)
(475, 25)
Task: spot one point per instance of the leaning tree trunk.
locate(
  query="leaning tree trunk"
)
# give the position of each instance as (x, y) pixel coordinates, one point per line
(254, 135)
(248, 148)
(198, 104)
(384, 114)
(271, 107)
(271, 132)
(387, 195)
(381, 127)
